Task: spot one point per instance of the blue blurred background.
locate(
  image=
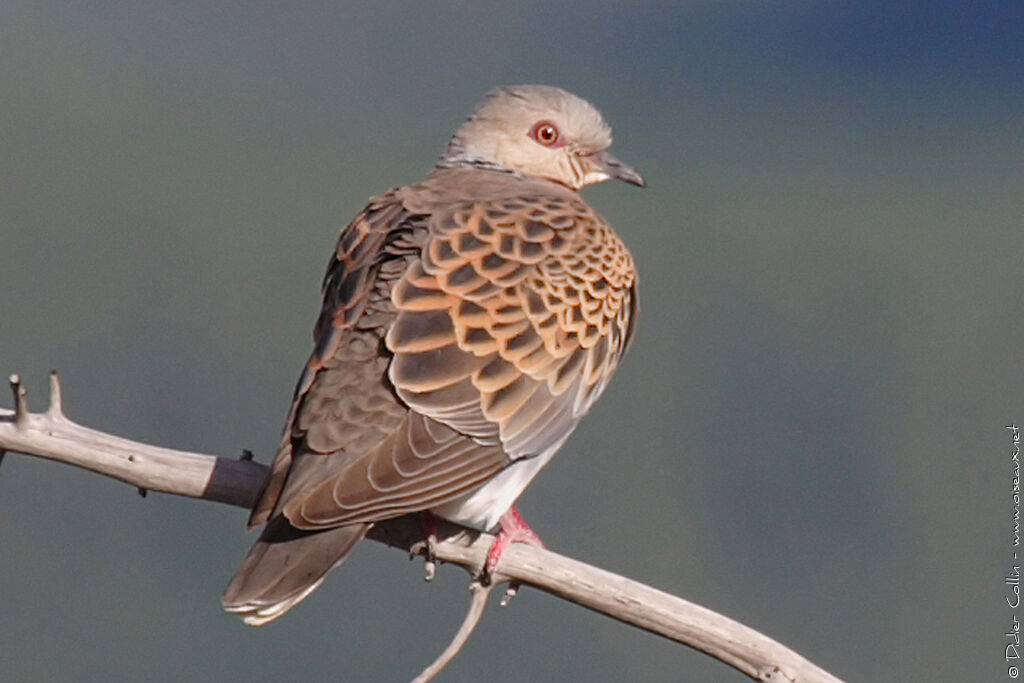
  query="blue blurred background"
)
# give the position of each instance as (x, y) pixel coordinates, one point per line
(808, 434)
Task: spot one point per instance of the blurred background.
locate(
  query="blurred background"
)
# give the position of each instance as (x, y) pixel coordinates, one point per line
(807, 436)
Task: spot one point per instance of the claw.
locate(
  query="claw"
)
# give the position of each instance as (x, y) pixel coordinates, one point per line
(426, 547)
(510, 592)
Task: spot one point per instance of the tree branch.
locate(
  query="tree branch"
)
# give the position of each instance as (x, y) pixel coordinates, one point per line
(476, 610)
(237, 482)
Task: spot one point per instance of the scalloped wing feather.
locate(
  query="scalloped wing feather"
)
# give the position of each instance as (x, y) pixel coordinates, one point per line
(514, 319)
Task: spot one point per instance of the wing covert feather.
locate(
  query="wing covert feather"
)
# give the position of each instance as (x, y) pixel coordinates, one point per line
(526, 300)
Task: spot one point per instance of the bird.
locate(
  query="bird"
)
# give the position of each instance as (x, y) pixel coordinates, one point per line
(469, 322)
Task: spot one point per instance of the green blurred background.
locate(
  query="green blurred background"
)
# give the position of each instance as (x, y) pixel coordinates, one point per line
(808, 434)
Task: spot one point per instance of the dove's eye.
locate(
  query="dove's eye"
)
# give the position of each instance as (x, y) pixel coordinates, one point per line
(545, 133)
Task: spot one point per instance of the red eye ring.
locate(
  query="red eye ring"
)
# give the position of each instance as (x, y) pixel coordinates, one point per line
(545, 132)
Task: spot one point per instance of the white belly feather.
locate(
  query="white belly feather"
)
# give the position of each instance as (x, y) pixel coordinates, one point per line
(483, 507)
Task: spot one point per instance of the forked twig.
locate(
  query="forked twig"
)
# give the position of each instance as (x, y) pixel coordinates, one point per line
(20, 401)
(55, 411)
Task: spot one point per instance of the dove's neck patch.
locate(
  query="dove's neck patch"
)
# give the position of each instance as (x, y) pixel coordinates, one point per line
(457, 156)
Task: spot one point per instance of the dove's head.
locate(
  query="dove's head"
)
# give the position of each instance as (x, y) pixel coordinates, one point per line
(542, 132)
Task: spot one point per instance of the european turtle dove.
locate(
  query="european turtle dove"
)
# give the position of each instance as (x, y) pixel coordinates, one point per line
(469, 322)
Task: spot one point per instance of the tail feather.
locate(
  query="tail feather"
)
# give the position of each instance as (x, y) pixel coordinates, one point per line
(284, 566)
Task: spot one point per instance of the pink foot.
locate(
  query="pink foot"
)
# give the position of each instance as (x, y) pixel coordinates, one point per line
(513, 530)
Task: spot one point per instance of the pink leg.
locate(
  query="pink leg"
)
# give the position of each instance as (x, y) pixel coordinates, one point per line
(513, 530)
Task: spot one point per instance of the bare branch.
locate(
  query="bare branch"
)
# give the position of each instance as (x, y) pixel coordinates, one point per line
(237, 482)
(51, 435)
(476, 610)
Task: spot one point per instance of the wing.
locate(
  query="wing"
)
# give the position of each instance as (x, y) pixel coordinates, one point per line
(513, 320)
(347, 432)
(505, 320)
(347, 360)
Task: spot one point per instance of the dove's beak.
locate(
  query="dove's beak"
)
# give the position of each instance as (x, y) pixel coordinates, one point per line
(607, 165)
